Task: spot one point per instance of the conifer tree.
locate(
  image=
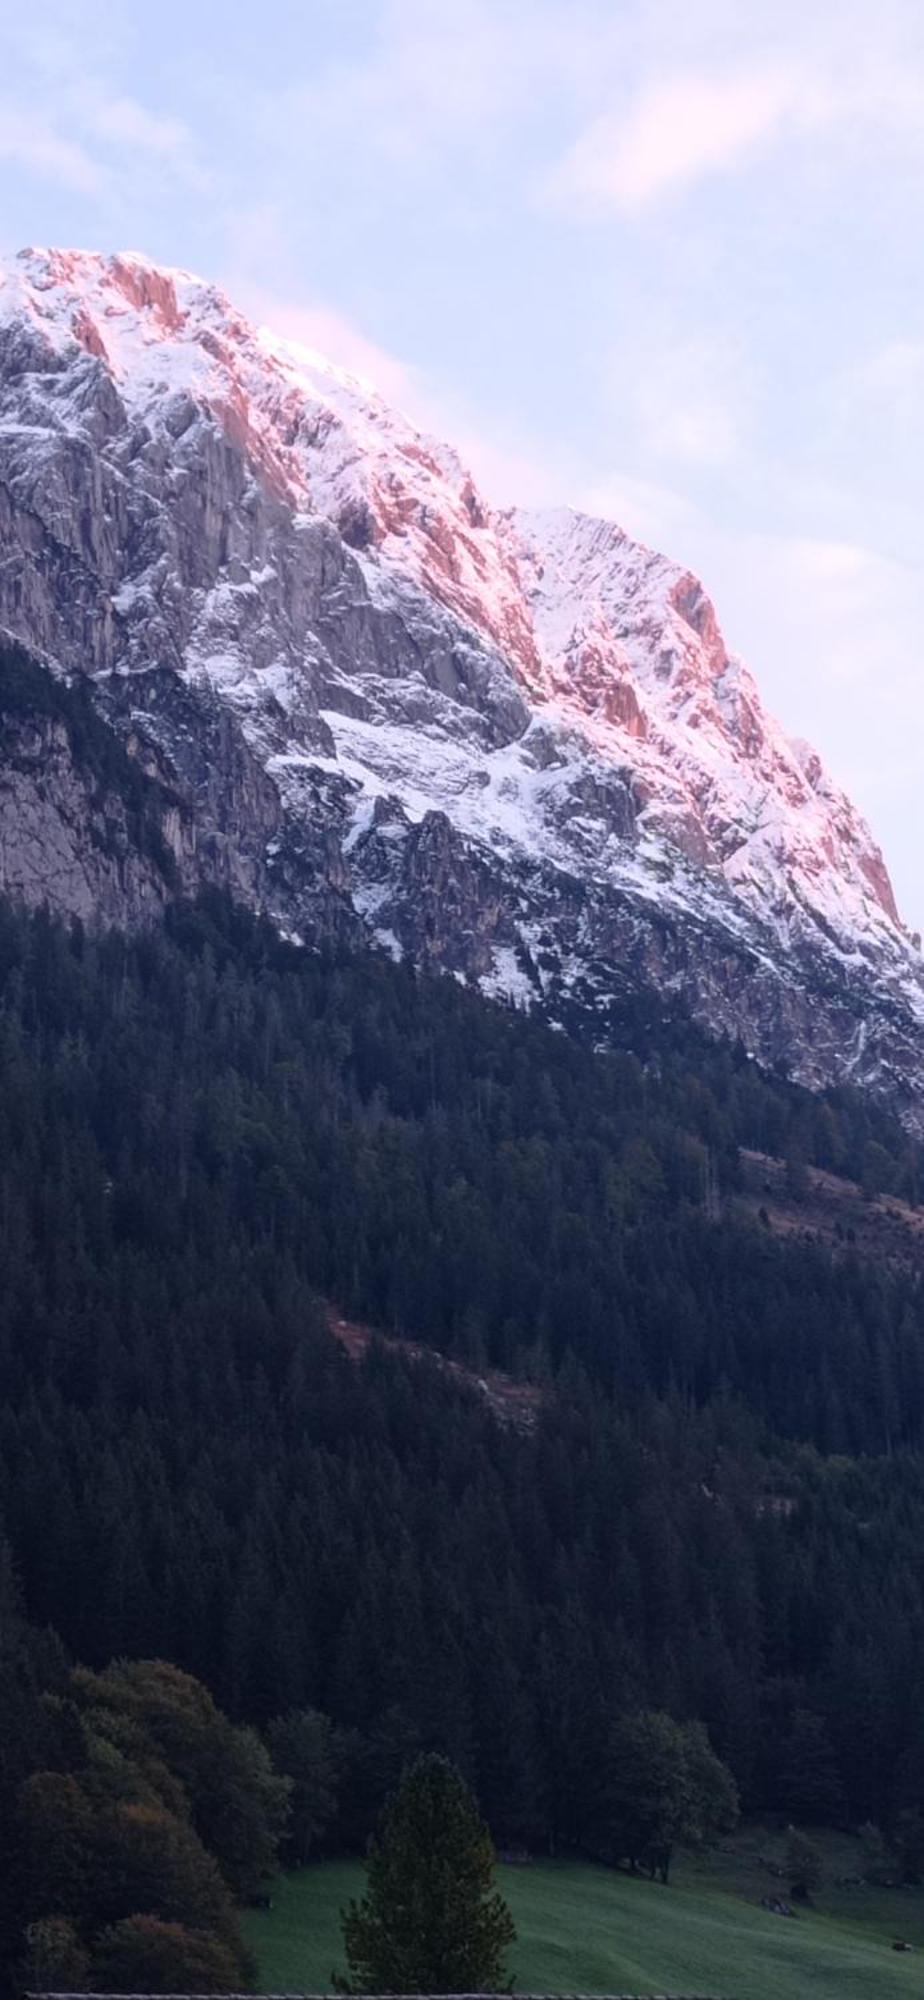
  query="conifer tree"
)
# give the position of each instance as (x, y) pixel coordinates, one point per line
(430, 1920)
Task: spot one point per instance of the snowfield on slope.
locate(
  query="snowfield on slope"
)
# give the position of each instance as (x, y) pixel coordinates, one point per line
(392, 648)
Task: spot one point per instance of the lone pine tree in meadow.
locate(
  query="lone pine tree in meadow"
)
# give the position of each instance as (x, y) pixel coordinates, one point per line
(431, 1920)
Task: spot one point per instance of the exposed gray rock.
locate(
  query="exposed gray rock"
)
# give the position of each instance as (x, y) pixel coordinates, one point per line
(515, 751)
(69, 839)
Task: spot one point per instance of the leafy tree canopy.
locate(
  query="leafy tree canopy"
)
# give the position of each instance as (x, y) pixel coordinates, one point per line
(663, 1784)
(144, 1954)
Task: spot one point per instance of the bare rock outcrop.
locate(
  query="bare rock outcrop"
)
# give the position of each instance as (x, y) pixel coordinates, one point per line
(511, 746)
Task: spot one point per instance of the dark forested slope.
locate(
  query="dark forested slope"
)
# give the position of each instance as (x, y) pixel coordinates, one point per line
(720, 1509)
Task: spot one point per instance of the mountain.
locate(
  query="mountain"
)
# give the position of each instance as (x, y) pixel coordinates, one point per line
(277, 641)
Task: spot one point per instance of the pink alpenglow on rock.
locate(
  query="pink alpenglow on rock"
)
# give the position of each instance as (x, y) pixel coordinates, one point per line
(509, 744)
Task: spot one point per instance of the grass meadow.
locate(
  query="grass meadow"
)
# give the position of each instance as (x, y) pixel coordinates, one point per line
(583, 1929)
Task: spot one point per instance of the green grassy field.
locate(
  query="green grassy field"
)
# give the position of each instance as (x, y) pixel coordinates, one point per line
(587, 1930)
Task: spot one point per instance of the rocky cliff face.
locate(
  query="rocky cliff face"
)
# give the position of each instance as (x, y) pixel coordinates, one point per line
(512, 746)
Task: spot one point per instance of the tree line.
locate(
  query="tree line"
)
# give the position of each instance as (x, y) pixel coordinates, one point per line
(717, 1516)
(136, 1818)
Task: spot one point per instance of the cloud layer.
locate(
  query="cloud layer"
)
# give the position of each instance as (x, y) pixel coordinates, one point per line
(680, 128)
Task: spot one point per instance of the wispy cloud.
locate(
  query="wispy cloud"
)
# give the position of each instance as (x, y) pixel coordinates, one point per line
(832, 629)
(686, 402)
(679, 129)
(453, 79)
(883, 394)
(331, 334)
(648, 511)
(82, 129)
(33, 143)
(124, 122)
(683, 126)
(505, 468)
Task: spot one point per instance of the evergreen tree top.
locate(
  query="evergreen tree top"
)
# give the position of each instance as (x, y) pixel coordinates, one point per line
(430, 1920)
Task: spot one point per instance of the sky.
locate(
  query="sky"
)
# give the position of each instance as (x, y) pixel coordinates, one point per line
(658, 259)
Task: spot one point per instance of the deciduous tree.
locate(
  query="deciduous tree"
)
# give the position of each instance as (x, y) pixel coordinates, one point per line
(144, 1954)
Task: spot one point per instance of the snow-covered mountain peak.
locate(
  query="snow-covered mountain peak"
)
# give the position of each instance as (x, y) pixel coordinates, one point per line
(215, 496)
(319, 437)
(632, 640)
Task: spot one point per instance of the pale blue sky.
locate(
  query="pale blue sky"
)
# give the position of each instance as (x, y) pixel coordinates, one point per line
(662, 258)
